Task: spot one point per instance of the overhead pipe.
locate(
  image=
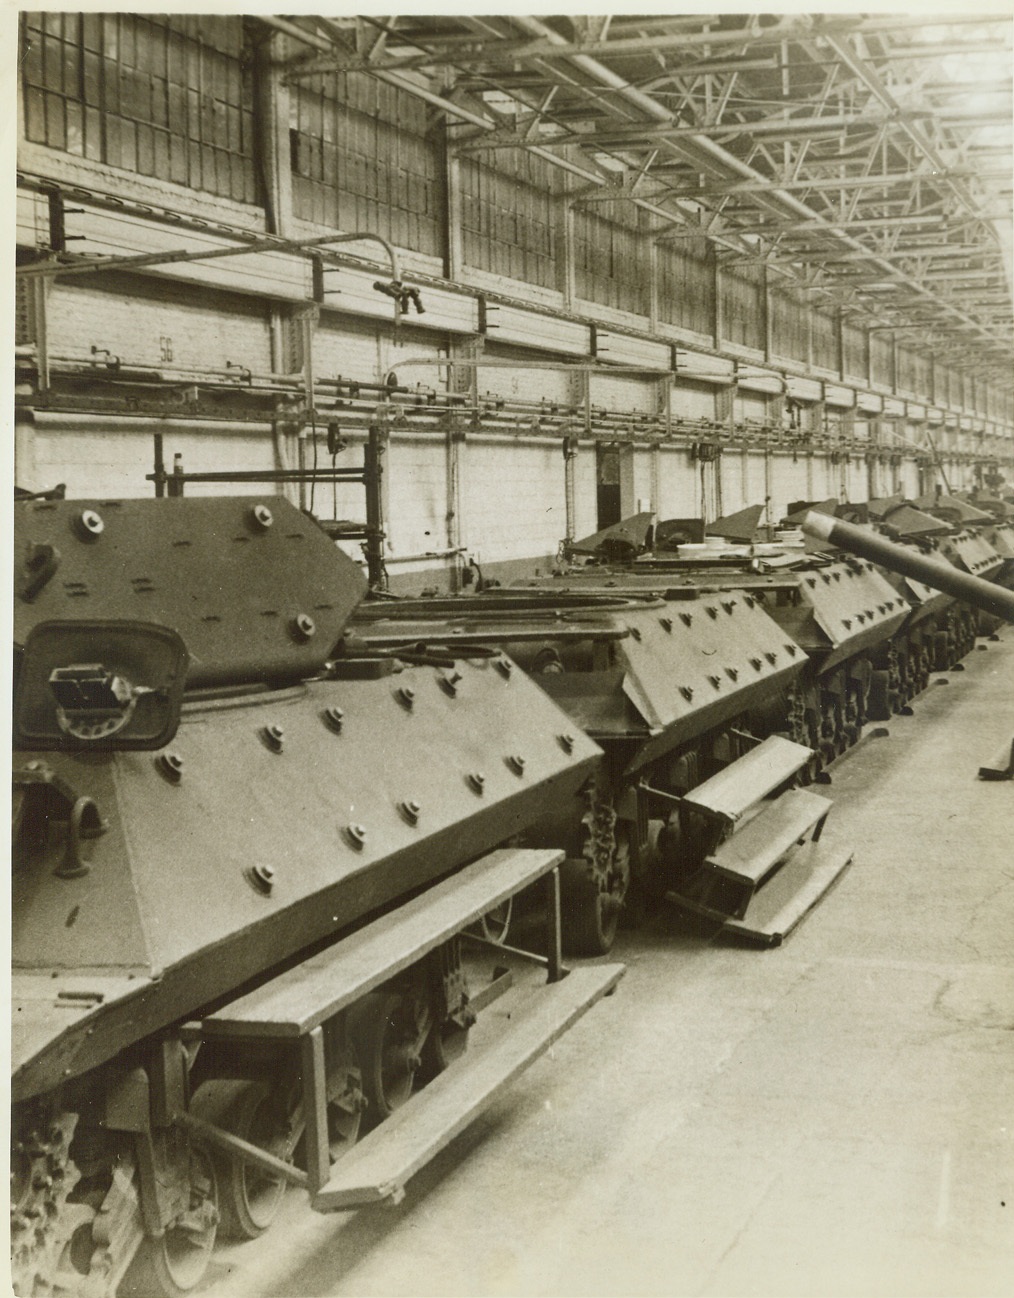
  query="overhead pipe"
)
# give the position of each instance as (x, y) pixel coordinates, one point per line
(396, 288)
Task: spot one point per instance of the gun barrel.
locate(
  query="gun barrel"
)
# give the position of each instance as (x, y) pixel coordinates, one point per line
(931, 571)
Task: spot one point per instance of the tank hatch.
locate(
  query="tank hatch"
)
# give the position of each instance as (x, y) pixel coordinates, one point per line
(255, 589)
(852, 604)
(973, 553)
(689, 666)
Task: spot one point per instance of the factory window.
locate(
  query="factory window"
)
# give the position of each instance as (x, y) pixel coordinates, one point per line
(611, 267)
(789, 327)
(362, 159)
(161, 96)
(855, 344)
(882, 359)
(507, 218)
(686, 284)
(742, 298)
(915, 372)
(825, 339)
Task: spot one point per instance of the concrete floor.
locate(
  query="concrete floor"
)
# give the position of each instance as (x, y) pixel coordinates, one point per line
(833, 1117)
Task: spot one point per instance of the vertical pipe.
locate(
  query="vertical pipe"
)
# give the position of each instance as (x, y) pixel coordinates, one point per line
(570, 452)
(159, 467)
(452, 462)
(454, 249)
(372, 477)
(272, 100)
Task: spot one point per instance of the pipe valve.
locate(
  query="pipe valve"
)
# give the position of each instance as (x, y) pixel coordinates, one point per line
(403, 294)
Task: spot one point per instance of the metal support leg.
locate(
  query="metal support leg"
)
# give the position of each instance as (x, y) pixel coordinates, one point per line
(318, 1159)
(554, 946)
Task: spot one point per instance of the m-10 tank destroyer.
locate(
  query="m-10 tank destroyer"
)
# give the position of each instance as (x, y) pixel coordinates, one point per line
(837, 610)
(937, 572)
(685, 696)
(941, 629)
(247, 865)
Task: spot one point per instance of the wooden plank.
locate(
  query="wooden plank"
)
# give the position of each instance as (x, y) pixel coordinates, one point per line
(793, 892)
(744, 782)
(307, 995)
(749, 854)
(375, 1170)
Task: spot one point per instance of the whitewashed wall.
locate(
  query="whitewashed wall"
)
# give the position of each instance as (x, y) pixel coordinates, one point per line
(512, 495)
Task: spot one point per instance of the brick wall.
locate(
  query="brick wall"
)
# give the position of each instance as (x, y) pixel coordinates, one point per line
(514, 500)
(169, 325)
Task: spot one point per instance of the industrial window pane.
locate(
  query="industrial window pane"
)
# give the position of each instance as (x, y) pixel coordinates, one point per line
(145, 150)
(177, 159)
(128, 53)
(143, 61)
(132, 72)
(56, 126)
(223, 173)
(91, 33)
(110, 95)
(159, 102)
(93, 134)
(128, 146)
(32, 57)
(52, 63)
(113, 149)
(92, 80)
(75, 129)
(35, 115)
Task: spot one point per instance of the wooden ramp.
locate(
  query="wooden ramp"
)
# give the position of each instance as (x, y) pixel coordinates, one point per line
(790, 894)
(375, 1170)
(768, 868)
(297, 1006)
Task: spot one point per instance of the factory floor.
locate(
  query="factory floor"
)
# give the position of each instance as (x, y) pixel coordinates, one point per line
(831, 1117)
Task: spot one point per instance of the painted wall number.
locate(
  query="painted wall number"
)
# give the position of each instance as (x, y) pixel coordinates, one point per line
(165, 347)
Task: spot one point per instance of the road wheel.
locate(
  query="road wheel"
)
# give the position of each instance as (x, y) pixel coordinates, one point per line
(175, 1264)
(591, 911)
(388, 1030)
(248, 1196)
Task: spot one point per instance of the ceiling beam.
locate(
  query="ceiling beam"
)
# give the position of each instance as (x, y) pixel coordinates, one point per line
(883, 180)
(872, 222)
(642, 136)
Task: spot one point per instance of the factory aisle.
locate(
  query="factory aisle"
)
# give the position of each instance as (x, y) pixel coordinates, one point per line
(833, 1117)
